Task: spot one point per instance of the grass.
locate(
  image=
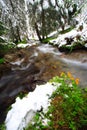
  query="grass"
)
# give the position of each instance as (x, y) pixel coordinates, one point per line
(68, 108)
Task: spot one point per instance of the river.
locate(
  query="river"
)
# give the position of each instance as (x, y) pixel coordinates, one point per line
(37, 65)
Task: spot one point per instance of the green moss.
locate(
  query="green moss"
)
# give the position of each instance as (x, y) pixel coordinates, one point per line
(66, 30)
(48, 39)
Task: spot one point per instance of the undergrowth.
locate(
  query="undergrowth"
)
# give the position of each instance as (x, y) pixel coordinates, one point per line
(68, 107)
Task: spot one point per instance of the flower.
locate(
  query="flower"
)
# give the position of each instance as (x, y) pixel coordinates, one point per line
(77, 81)
(70, 75)
(62, 74)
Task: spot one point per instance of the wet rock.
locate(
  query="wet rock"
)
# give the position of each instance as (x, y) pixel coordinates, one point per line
(69, 40)
(18, 54)
(9, 57)
(84, 61)
(5, 68)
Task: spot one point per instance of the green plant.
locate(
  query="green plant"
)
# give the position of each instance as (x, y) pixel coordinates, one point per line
(72, 104)
(68, 107)
(24, 41)
(10, 45)
(2, 127)
(70, 48)
(37, 123)
(47, 40)
(21, 95)
(5, 48)
(3, 30)
(2, 60)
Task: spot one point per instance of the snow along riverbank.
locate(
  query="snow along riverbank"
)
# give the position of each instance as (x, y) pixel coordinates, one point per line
(24, 109)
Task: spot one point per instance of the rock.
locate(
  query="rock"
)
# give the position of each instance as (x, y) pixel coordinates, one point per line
(84, 61)
(80, 28)
(69, 40)
(5, 68)
(9, 57)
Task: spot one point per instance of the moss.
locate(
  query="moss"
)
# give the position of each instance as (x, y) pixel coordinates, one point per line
(47, 40)
(66, 30)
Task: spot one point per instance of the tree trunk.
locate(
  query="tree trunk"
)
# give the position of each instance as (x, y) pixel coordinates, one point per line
(12, 5)
(43, 21)
(37, 31)
(18, 33)
(43, 24)
(12, 30)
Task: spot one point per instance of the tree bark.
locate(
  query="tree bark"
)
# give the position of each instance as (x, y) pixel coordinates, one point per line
(37, 31)
(18, 33)
(43, 20)
(12, 30)
(12, 5)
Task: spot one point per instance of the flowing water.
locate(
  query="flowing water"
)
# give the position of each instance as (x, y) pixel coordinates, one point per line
(41, 63)
(77, 67)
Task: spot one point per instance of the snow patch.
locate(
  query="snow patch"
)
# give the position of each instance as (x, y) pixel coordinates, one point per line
(60, 40)
(30, 104)
(21, 45)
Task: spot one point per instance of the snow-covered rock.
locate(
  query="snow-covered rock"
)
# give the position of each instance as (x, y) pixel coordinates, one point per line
(77, 35)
